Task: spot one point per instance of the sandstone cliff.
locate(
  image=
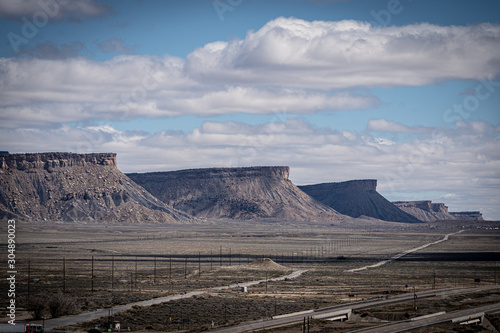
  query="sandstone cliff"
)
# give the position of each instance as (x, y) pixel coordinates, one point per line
(237, 193)
(468, 216)
(75, 187)
(357, 198)
(425, 210)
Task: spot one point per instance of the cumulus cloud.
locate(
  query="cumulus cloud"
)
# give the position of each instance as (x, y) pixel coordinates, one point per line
(340, 54)
(127, 87)
(289, 65)
(52, 10)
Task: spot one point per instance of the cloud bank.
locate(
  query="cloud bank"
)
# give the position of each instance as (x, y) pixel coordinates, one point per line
(289, 65)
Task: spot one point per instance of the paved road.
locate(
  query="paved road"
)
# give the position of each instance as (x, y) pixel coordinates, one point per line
(299, 317)
(445, 317)
(397, 256)
(71, 320)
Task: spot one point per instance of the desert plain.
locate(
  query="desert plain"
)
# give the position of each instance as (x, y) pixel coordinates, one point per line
(99, 266)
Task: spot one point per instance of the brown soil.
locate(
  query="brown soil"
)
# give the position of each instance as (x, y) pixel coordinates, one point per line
(192, 258)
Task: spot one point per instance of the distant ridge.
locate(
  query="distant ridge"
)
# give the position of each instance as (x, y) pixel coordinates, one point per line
(76, 187)
(356, 198)
(425, 210)
(471, 216)
(236, 193)
(428, 211)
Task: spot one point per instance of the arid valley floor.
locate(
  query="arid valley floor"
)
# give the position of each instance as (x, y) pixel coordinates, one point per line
(134, 263)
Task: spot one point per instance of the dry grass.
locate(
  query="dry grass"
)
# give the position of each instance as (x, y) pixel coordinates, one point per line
(189, 258)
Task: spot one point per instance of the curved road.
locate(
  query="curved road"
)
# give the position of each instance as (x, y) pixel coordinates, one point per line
(397, 256)
(82, 317)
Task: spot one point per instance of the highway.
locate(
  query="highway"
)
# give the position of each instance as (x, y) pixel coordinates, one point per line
(299, 317)
(444, 317)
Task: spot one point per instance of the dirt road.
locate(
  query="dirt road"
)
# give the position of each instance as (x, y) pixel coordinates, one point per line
(71, 320)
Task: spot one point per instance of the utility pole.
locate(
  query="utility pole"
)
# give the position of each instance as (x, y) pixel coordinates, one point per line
(414, 299)
(112, 272)
(135, 272)
(92, 272)
(64, 275)
(29, 277)
(154, 273)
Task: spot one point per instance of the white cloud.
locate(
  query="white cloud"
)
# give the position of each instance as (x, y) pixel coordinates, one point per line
(43, 91)
(332, 55)
(384, 125)
(289, 65)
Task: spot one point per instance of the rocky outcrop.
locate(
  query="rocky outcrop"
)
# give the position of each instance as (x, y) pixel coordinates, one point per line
(48, 161)
(425, 210)
(76, 187)
(358, 198)
(236, 193)
(468, 216)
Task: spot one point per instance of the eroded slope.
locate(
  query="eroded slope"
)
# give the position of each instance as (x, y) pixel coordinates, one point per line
(358, 198)
(76, 187)
(236, 193)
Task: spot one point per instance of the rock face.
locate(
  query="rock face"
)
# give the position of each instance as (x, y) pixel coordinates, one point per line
(426, 210)
(357, 198)
(235, 193)
(469, 216)
(75, 187)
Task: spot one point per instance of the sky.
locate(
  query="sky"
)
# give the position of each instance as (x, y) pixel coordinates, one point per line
(405, 92)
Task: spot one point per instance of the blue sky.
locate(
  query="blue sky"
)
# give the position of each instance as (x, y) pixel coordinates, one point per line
(405, 91)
